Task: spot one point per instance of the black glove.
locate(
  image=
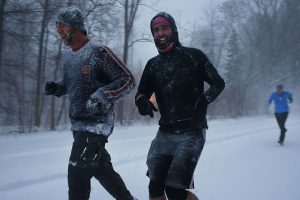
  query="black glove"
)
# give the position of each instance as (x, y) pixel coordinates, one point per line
(145, 106)
(93, 105)
(92, 152)
(50, 88)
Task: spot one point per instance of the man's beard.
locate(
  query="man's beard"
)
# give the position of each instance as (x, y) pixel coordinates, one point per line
(70, 37)
(163, 46)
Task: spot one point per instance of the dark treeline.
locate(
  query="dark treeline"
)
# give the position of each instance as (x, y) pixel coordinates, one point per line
(255, 44)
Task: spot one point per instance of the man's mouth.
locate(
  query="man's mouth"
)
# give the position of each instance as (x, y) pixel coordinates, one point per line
(162, 40)
(63, 36)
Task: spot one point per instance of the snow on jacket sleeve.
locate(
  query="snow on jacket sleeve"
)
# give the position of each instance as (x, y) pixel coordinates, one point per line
(121, 79)
(215, 81)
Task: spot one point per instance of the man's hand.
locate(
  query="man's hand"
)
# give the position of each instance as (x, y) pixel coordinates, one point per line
(145, 106)
(200, 107)
(50, 88)
(92, 152)
(93, 105)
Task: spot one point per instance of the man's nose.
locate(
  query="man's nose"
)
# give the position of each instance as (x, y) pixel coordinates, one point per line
(160, 32)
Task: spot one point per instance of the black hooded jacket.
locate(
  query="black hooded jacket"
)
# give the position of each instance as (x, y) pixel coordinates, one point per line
(177, 79)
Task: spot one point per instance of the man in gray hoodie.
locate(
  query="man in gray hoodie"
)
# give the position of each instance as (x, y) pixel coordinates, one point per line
(94, 79)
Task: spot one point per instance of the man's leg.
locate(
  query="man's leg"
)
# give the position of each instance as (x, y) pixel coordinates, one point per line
(158, 162)
(180, 194)
(186, 155)
(281, 118)
(158, 170)
(191, 196)
(283, 130)
(157, 190)
(176, 194)
(110, 179)
(158, 198)
(78, 178)
(79, 183)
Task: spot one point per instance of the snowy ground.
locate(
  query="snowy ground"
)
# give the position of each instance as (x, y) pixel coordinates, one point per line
(241, 160)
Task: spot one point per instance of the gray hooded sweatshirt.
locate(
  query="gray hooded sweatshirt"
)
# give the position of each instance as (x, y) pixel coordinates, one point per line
(95, 72)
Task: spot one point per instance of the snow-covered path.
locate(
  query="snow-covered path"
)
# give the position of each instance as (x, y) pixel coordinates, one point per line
(241, 160)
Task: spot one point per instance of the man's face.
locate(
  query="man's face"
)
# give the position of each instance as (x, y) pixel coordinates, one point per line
(279, 90)
(64, 31)
(162, 34)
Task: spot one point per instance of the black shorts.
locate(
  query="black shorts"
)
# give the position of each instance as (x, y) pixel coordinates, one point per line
(172, 158)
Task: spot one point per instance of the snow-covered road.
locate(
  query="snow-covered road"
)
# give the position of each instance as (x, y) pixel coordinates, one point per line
(241, 160)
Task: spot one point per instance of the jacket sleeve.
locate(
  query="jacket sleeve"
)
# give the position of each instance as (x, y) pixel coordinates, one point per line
(121, 79)
(215, 81)
(146, 83)
(271, 99)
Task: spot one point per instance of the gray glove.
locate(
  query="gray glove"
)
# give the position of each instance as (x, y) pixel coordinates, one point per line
(93, 105)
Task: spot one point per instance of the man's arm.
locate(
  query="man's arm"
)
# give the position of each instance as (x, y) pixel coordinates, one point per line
(122, 81)
(271, 99)
(145, 90)
(145, 87)
(215, 81)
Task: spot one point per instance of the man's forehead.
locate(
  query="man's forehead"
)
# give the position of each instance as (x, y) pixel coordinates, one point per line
(161, 25)
(160, 21)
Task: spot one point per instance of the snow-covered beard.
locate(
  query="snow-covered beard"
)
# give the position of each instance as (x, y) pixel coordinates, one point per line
(166, 46)
(70, 37)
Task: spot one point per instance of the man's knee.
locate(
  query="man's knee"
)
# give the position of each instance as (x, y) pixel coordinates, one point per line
(156, 189)
(176, 194)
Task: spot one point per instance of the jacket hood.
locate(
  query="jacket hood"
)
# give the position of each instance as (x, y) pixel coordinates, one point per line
(171, 20)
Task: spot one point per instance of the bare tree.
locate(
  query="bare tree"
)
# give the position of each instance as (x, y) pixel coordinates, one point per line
(37, 101)
(2, 5)
(268, 46)
(130, 8)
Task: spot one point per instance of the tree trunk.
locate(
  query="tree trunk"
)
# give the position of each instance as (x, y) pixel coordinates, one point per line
(45, 52)
(37, 101)
(53, 123)
(2, 4)
(130, 10)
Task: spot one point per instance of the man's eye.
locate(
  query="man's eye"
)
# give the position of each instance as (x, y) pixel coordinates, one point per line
(58, 24)
(156, 29)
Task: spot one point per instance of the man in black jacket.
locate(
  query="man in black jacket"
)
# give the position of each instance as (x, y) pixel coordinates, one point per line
(94, 79)
(177, 77)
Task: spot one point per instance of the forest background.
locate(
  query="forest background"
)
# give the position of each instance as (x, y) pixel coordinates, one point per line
(254, 44)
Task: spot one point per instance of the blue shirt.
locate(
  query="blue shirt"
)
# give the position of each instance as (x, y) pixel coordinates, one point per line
(281, 101)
